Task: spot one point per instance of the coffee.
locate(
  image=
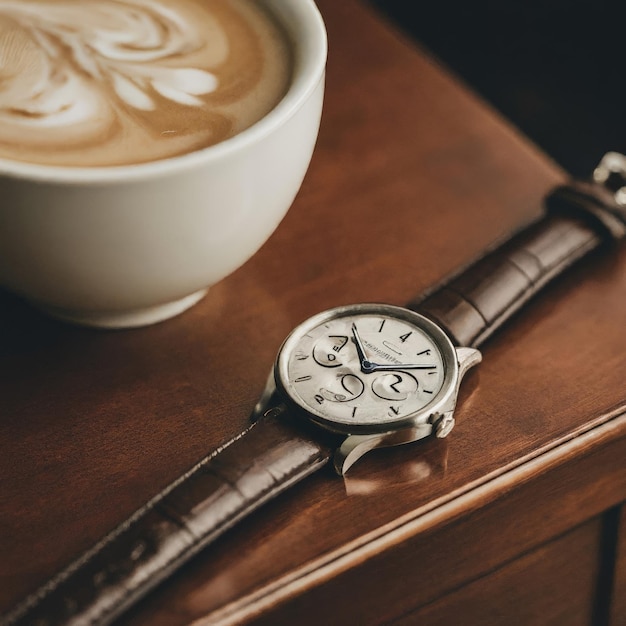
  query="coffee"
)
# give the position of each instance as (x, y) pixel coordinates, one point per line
(116, 82)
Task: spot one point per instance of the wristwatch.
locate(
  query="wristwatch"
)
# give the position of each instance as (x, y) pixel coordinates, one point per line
(345, 381)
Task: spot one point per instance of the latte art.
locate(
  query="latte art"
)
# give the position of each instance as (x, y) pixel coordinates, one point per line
(107, 82)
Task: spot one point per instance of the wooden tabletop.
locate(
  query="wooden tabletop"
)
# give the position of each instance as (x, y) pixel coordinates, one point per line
(412, 176)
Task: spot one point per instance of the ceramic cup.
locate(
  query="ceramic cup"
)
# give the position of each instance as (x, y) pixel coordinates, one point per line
(127, 246)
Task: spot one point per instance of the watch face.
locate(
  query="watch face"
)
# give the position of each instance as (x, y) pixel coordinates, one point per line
(367, 367)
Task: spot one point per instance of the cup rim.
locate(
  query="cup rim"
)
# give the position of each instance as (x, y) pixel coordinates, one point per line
(305, 81)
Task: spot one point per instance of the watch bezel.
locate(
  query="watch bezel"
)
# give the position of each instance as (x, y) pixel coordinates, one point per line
(441, 403)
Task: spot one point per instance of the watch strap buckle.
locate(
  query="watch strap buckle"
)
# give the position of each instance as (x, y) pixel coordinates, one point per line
(611, 174)
(600, 201)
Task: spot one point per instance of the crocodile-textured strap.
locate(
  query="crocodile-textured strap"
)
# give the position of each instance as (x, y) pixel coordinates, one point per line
(192, 512)
(472, 304)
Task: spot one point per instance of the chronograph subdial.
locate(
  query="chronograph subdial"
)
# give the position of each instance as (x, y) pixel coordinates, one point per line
(344, 388)
(327, 351)
(396, 386)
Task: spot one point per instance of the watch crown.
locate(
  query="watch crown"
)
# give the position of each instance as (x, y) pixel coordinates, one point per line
(445, 425)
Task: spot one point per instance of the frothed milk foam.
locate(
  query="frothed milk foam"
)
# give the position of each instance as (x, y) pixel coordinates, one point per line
(114, 82)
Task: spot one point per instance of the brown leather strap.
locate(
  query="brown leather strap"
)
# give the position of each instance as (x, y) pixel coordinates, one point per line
(191, 513)
(472, 304)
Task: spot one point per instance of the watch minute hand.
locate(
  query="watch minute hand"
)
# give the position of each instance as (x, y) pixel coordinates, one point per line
(399, 366)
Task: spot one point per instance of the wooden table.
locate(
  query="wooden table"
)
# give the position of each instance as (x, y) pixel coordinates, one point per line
(515, 519)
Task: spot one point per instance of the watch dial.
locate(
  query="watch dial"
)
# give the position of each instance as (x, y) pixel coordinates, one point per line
(362, 368)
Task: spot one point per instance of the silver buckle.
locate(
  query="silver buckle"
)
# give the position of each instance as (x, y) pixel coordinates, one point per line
(611, 173)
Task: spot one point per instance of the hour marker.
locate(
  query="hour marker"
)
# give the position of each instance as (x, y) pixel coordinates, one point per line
(426, 391)
(399, 379)
(403, 338)
(342, 341)
(353, 411)
(426, 352)
(380, 329)
(395, 410)
(391, 347)
(302, 379)
(431, 373)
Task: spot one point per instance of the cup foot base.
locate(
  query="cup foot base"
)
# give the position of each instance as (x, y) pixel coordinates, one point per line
(132, 318)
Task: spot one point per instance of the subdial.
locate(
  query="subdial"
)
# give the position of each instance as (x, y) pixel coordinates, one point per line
(346, 388)
(327, 350)
(396, 386)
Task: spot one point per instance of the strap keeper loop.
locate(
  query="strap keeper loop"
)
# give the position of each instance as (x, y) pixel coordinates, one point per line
(591, 203)
(600, 200)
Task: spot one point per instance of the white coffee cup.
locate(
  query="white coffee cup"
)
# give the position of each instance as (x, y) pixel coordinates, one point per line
(127, 246)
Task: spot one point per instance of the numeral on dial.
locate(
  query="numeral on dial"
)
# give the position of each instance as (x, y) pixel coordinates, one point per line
(342, 341)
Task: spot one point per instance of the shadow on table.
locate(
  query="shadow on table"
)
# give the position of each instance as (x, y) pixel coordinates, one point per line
(24, 329)
(553, 68)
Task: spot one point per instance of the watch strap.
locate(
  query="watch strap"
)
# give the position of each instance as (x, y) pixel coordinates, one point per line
(268, 457)
(474, 303)
(580, 216)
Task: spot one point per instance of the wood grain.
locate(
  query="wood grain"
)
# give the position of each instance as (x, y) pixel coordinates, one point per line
(412, 177)
(517, 593)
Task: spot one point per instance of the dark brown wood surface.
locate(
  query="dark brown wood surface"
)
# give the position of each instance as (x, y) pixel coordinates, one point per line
(517, 593)
(412, 177)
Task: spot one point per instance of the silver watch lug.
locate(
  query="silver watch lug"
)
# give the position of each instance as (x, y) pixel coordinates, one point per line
(352, 449)
(264, 400)
(355, 446)
(467, 357)
(444, 421)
